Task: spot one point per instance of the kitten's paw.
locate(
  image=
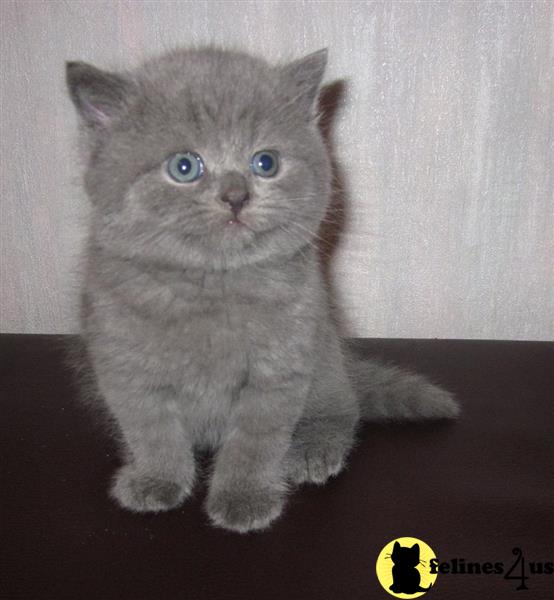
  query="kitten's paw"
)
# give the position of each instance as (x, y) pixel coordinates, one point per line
(318, 452)
(244, 509)
(315, 464)
(147, 493)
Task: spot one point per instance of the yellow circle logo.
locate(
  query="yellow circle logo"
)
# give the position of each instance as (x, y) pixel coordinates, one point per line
(403, 568)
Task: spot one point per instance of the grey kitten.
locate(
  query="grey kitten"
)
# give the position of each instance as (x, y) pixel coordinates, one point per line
(205, 316)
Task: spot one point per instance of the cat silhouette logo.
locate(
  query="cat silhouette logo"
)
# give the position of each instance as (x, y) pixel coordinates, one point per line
(403, 568)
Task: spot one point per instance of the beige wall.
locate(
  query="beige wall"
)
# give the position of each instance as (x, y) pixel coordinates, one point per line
(445, 140)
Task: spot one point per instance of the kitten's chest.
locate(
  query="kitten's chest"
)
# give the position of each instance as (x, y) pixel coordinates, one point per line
(236, 305)
(218, 324)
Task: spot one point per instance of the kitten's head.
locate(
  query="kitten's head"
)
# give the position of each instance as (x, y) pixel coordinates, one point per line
(204, 158)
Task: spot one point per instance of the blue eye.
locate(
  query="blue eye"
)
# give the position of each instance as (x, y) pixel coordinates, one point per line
(265, 163)
(185, 167)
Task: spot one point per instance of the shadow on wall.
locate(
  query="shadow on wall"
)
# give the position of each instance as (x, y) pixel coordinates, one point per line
(333, 225)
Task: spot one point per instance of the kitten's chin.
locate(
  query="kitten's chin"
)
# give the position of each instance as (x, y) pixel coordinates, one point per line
(235, 230)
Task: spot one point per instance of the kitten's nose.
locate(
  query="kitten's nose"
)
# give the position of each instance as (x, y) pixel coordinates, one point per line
(234, 191)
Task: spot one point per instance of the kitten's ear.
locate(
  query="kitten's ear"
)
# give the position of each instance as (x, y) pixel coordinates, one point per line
(303, 78)
(396, 546)
(415, 547)
(99, 96)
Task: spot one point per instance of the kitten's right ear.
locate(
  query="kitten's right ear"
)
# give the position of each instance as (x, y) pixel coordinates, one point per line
(99, 96)
(303, 79)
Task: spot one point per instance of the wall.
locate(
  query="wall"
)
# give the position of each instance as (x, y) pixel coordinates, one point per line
(444, 138)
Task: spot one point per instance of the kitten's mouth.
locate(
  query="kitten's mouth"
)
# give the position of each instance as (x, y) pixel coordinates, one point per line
(236, 222)
(235, 230)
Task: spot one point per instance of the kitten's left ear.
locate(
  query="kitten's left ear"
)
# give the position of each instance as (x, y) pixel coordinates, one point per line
(303, 78)
(99, 96)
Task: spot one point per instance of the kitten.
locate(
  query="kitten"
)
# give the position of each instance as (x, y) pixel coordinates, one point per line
(204, 313)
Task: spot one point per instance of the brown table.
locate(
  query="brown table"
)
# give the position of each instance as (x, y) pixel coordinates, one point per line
(475, 490)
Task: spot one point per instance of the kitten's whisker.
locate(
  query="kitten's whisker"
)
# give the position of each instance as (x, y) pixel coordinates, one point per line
(303, 239)
(308, 241)
(301, 250)
(310, 232)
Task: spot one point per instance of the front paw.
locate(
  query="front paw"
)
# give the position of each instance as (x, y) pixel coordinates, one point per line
(319, 450)
(244, 508)
(315, 463)
(141, 492)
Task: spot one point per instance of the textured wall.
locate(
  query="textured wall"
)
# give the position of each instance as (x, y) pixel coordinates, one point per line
(444, 138)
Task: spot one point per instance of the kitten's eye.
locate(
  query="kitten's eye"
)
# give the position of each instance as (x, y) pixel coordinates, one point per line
(265, 163)
(185, 167)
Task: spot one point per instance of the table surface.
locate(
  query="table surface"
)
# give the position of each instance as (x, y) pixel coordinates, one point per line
(474, 489)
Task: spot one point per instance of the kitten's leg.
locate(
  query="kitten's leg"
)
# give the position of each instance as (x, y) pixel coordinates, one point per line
(159, 472)
(247, 489)
(325, 434)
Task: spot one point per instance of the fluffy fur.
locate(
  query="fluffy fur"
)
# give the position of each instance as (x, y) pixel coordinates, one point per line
(210, 332)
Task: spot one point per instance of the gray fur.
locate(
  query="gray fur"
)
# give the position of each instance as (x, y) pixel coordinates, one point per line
(207, 334)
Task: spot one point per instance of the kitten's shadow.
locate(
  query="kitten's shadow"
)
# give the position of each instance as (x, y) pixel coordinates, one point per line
(330, 101)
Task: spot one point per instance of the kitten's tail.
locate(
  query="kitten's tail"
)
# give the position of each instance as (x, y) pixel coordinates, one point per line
(386, 392)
